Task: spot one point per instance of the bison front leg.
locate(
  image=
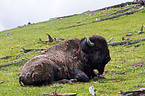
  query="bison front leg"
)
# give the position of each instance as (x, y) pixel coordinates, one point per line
(97, 75)
(66, 81)
(81, 77)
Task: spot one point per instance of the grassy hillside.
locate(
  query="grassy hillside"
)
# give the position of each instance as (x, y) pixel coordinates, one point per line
(126, 70)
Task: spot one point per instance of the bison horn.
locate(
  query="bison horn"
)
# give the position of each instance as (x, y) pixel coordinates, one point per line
(89, 42)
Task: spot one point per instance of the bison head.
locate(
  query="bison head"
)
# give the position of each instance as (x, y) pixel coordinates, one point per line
(96, 52)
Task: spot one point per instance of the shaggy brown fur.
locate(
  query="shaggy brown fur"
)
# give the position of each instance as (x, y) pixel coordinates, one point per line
(66, 60)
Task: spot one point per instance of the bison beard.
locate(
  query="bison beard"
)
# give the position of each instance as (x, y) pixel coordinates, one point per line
(72, 59)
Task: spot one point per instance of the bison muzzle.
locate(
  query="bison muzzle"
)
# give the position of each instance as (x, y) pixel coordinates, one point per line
(72, 59)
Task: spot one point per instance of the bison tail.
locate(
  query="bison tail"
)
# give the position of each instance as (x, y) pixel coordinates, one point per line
(21, 78)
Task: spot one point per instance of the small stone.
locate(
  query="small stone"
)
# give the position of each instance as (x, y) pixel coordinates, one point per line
(1, 82)
(125, 82)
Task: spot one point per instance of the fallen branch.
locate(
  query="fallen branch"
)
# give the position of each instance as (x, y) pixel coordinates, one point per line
(137, 45)
(50, 39)
(116, 12)
(60, 94)
(128, 34)
(140, 92)
(44, 42)
(118, 43)
(110, 39)
(28, 50)
(126, 41)
(135, 41)
(115, 6)
(7, 57)
(141, 30)
(57, 39)
(103, 81)
(111, 17)
(126, 13)
(12, 63)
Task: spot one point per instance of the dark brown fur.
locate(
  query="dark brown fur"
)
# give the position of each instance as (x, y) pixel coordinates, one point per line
(70, 59)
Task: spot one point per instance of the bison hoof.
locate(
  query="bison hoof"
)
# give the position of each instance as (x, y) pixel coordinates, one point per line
(71, 81)
(101, 76)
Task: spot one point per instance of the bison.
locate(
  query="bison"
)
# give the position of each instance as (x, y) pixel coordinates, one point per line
(72, 59)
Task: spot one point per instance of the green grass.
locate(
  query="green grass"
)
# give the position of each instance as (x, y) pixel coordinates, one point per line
(124, 58)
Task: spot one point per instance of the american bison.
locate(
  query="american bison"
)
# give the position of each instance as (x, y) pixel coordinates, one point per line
(72, 59)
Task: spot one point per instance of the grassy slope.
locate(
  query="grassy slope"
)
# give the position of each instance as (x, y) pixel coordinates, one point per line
(122, 56)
